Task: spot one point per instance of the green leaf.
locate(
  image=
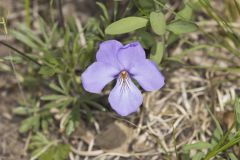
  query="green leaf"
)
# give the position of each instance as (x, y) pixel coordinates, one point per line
(13, 58)
(21, 111)
(24, 38)
(44, 125)
(53, 97)
(172, 38)
(62, 84)
(232, 156)
(126, 25)
(51, 59)
(71, 121)
(158, 22)
(185, 13)
(104, 10)
(31, 34)
(216, 137)
(158, 51)
(146, 39)
(148, 4)
(198, 156)
(29, 123)
(56, 88)
(180, 27)
(219, 128)
(198, 145)
(59, 152)
(38, 141)
(237, 111)
(46, 71)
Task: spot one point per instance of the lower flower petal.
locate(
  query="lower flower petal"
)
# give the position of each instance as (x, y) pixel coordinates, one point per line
(97, 76)
(147, 75)
(125, 98)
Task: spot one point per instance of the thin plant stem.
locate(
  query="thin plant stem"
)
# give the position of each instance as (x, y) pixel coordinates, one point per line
(20, 52)
(60, 14)
(27, 13)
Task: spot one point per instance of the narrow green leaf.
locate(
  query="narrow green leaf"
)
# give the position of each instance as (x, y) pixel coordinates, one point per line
(56, 88)
(62, 84)
(158, 22)
(30, 33)
(198, 156)
(219, 128)
(46, 71)
(53, 97)
(157, 54)
(237, 111)
(13, 58)
(198, 145)
(29, 123)
(21, 111)
(24, 38)
(232, 156)
(181, 27)
(104, 10)
(126, 25)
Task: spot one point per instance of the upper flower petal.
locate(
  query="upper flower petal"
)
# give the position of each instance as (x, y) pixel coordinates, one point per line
(97, 75)
(107, 52)
(125, 98)
(147, 75)
(130, 53)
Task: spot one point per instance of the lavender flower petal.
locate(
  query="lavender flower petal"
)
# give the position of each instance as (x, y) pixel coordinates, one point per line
(107, 52)
(125, 98)
(130, 53)
(147, 75)
(97, 75)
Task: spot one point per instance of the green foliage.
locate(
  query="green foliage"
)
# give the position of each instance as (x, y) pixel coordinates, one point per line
(185, 13)
(181, 27)
(60, 56)
(199, 145)
(232, 156)
(126, 25)
(154, 11)
(105, 17)
(229, 37)
(158, 52)
(220, 142)
(158, 22)
(45, 149)
(237, 112)
(63, 54)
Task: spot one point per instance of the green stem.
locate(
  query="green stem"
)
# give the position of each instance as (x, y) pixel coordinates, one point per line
(27, 13)
(60, 14)
(20, 52)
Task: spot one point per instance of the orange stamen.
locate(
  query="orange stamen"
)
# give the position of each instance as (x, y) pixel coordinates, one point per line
(124, 75)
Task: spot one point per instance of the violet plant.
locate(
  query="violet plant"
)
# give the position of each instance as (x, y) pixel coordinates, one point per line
(115, 61)
(145, 21)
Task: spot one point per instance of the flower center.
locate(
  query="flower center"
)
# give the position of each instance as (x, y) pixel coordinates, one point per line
(124, 75)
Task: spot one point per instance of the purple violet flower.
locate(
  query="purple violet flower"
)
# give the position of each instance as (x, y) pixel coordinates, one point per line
(123, 63)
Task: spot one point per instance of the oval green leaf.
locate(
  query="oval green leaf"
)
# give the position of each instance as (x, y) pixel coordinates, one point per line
(126, 25)
(180, 27)
(158, 22)
(185, 13)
